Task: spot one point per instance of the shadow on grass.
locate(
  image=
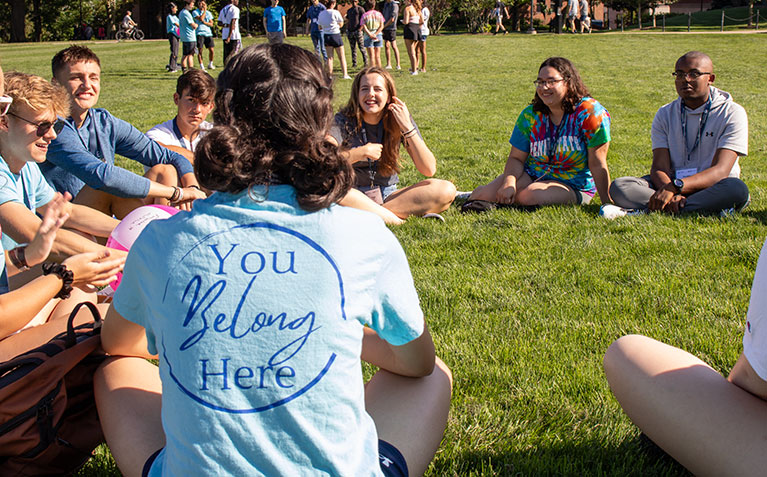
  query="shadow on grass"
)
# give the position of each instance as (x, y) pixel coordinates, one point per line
(634, 456)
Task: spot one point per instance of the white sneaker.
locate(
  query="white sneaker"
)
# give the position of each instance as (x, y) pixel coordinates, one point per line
(202, 67)
(388, 67)
(462, 195)
(399, 67)
(414, 72)
(612, 212)
(434, 216)
(347, 77)
(211, 66)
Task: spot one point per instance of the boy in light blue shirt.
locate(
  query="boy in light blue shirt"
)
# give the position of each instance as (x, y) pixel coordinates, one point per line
(188, 28)
(204, 20)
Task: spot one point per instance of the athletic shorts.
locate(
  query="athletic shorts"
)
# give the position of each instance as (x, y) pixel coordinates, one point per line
(275, 37)
(389, 35)
(390, 459)
(188, 48)
(204, 42)
(333, 40)
(581, 197)
(376, 42)
(411, 31)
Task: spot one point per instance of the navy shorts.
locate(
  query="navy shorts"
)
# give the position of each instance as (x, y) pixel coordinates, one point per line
(389, 457)
(389, 35)
(333, 40)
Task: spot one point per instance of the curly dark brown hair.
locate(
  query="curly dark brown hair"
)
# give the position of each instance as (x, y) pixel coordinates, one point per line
(576, 90)
(272, 116)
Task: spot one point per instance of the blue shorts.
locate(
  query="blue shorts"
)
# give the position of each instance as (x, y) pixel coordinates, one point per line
(386, 191)
(371, 43)
(390, 459)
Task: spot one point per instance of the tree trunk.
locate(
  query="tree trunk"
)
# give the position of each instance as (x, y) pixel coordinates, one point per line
(750, 13)
(37, 21)
(18, 20)
(639, 13)
(652, 12)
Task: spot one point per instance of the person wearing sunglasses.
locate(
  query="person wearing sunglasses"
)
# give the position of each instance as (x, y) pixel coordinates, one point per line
(81, 160)
(558, 147)
(696, 142)
(26, 131)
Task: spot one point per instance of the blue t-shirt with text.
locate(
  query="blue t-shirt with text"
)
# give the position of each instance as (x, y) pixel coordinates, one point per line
(257, 310)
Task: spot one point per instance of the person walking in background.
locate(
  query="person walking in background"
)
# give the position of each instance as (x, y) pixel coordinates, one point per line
(391, 14)
(172, 30)
(498, 11)
(229, 19)
(354, 32)
(372, 26)
(312, 13)
(204, 32)
(331, 21)
(420, 47)
(412, 21)
(187, 27)
(274, 22)
(585, 17)
(573, 7)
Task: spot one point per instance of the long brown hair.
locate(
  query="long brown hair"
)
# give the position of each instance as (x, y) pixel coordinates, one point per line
(273, 110)
(576, 90)
(389, 163)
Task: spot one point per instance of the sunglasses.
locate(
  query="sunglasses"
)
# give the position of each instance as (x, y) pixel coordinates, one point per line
(5, 104)
(42, 128)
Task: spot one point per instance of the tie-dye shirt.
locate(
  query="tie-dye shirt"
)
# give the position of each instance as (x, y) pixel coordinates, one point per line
(587, 126)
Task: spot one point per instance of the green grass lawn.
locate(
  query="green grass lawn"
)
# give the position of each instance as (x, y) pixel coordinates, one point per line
(522, 305)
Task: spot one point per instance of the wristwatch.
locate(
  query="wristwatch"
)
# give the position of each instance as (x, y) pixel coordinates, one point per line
(679, 184)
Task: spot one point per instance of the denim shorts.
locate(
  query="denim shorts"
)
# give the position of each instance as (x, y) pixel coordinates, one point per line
(371, 43)
(386, 191)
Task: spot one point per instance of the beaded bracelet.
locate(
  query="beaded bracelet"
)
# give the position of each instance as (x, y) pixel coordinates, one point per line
(61, 271)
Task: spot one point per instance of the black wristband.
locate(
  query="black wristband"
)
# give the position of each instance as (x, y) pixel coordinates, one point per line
(61, 271)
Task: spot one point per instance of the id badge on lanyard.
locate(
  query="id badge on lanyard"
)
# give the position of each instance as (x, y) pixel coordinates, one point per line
(701, 128)
(375, 192)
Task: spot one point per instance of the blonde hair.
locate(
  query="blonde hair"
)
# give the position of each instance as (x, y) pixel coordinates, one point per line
(37, 93)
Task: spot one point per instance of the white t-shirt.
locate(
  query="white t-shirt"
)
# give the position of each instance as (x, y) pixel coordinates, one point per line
(330, 22)
(165, 133)
(726, 128)
(227, 14)
(755, 334)
(425, 25)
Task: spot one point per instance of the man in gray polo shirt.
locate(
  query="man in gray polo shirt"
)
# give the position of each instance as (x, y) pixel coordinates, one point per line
(696, 142)
(390, 12)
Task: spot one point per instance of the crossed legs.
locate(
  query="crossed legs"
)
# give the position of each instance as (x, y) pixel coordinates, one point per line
(428, 196)
(529, 192)
(705, 422)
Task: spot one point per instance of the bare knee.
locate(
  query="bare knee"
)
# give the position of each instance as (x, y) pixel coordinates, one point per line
(164, 174)
(440, 368)
(444, 191)
(617, 358)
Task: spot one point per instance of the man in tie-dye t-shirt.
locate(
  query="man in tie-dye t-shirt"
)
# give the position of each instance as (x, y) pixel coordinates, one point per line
(560, 153)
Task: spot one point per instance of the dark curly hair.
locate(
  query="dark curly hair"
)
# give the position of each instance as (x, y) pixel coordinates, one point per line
(576, 90)
(272, 116)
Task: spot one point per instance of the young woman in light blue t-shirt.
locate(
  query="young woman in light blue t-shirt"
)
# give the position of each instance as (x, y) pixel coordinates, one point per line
(261, 303)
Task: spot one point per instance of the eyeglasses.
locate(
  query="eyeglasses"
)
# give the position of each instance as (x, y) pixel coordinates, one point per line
(547, 83)
(691, 75)
(42, 128)
(5, 104)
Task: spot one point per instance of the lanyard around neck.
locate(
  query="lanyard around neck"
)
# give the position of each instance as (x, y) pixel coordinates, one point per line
(180, 136)
(703, 120)
(553, 134)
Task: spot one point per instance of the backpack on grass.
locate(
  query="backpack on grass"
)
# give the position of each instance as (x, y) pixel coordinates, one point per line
(48, 419)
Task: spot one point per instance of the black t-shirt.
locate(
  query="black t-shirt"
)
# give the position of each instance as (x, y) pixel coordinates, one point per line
(353, 16)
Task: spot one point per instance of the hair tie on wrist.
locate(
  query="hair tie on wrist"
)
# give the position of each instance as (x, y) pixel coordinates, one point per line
(66, 275)
(405, 134)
